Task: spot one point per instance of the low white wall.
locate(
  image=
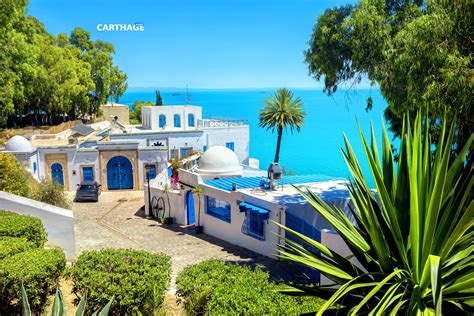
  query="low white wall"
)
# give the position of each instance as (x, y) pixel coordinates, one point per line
(58, 222)
(333, 241)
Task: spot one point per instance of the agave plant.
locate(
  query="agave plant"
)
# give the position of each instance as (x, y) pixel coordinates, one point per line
(413, 243)
(59, 305)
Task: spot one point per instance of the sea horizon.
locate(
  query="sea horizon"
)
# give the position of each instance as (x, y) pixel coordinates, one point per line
(316, 150)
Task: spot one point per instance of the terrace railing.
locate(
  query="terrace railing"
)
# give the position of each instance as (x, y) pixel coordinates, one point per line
(216, 123)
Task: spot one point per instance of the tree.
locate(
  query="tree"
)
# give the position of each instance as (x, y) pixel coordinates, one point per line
(159, 100)
(118, 83)
(282, 111)
(418, 52)
(14, 178)
(198, 191)
(136, 111)
(413, 241)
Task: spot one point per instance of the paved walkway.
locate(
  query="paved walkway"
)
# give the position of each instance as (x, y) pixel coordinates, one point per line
(118, 221)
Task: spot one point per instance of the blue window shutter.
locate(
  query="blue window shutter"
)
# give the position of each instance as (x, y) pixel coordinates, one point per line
(191, 120)
(230, 145)
(177, 120)
(204, 148)
(162, 120)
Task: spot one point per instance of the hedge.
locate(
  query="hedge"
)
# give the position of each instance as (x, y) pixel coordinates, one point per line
(136, 279)
(10, 246)
(15, 225)
(39, 271)
(211, 287)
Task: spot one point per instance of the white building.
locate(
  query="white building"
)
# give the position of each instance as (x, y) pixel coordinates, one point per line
(116, 154)
(236, 207)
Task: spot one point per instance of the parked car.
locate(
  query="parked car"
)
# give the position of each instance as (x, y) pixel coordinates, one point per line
(88, 191)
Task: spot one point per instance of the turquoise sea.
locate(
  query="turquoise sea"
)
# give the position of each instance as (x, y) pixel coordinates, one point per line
(316, 149)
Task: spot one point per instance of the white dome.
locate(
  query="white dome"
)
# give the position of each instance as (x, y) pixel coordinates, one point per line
(219, 160)
(18, 143)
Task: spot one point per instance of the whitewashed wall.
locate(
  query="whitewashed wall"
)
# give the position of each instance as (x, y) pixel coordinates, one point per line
(84, 158)
(239, 135)
(152, 113)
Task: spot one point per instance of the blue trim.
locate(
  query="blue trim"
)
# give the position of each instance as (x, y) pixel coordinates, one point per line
(243, 206)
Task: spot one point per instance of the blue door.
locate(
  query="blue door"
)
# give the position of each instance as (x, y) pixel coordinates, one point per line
(57, 173)
(190, 208)
(87, 174)
(119, 174)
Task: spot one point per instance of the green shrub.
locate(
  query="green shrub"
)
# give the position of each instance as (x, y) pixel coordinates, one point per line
(10, 246)
(16, 225)
(137, 279)
(48, 191)
(212, 287)
(14, 178)
(38, 270)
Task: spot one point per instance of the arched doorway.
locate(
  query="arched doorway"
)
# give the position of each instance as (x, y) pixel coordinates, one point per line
(190, 208)
(57, 173)
(119, 174)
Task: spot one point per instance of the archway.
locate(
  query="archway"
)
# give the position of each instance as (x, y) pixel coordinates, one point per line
(119, 174)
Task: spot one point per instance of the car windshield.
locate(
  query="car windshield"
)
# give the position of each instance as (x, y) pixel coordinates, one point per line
(87, 187)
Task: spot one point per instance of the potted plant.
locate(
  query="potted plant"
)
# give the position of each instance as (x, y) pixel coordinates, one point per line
(168, 219)
(198, 191)
(175, 165)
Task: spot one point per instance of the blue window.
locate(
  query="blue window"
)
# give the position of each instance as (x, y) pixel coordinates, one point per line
(87, 173)
(170, 171)
(152, 172)
(218, 209)
(186, 151)
(35, 167)
(230, 145)
(255, 224)
(191, 120)
(204, 148)
(177, 120)
(162, 120)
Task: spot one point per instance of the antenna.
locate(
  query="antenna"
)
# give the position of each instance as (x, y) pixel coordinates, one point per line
(187, 95)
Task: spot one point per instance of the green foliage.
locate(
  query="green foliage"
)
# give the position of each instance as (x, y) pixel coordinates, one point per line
(414, 241)
(59, 305)
(41, 73)
(38, 270)
(213, 288)
(15, 225)
(52, 193)
(137, 279)
(10, 246)
(136, 110)
(418, 52)
(282, 111)
(14, 178)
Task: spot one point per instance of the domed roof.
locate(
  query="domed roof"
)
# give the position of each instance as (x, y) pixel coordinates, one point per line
(18, 143)
(219, 160)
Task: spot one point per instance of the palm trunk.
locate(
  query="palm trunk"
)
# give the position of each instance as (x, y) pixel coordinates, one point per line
(277, 153)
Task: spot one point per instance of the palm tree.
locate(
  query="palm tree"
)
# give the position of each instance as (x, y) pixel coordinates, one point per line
(414, 242)
(282, 111)
(198, 191)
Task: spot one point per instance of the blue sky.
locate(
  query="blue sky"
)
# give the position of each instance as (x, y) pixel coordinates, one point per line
(201, 43)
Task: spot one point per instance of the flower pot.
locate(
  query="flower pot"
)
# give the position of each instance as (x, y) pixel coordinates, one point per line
(199, 229)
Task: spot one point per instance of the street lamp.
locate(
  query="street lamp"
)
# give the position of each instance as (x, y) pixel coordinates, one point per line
(147, 170)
